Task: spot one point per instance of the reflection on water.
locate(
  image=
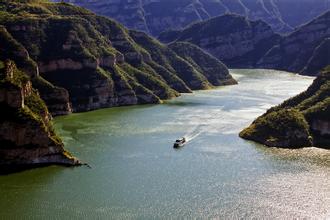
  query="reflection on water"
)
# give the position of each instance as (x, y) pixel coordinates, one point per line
(136, 173)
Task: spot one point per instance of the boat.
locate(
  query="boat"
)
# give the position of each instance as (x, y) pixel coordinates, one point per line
(179, 143)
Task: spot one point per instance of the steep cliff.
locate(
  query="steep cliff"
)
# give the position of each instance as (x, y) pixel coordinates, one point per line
(239, 43)
(301, 121)
(94, 62)
(57, 98)
(155, 17)
(26, 133)
(298, 51)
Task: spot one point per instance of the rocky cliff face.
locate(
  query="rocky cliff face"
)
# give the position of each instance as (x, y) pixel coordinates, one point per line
(306, 50)
(155, 17)
(301, 121)
(94, 62)
(26, 134)
(239, 43)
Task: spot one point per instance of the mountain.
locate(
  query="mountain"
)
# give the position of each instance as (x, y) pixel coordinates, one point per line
(156, 16)
(239, 43)
(242, 43)
(301, 121)
(94, 62)
(305, 50)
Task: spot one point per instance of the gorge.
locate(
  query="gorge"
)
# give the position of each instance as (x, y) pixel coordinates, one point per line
(245, 82)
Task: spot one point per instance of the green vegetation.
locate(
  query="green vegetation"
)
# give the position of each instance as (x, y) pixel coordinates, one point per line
(298, 122)
(36, 104)
(204, 63)
(194, 76)
(286, 127)
(148, 79)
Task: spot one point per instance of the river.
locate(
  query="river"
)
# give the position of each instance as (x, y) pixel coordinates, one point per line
(136, 174)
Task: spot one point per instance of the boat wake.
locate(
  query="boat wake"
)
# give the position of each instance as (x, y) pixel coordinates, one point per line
(193, 133)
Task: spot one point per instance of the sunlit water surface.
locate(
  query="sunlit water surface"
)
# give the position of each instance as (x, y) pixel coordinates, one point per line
(137, 174)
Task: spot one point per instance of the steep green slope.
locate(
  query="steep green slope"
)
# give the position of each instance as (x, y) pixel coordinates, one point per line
(87, 62)
(206, 64)
(197, 69)
(301, 121)
(26, 133)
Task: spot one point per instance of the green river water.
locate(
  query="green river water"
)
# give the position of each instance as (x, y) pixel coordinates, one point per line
(136, 173)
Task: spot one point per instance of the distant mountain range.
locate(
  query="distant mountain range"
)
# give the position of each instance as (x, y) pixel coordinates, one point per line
(242, 43)
(155, 16)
